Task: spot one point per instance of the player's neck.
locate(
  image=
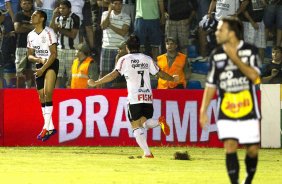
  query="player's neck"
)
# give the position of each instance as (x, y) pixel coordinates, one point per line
(233, 42)
(38, 28)
(171, 54)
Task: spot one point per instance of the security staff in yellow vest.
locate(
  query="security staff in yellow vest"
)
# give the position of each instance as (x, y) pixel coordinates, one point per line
(83, 68)
(173, 63)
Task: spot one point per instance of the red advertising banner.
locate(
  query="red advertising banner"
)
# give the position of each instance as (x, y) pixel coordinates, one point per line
(99, 117)
(1, 117)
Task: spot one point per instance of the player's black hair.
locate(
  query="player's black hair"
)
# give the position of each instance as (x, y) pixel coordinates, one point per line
(133, 43)
(112, 1)
(66, 3)
(26, 0)
(277, 48)
(235, 25)
(44, 15)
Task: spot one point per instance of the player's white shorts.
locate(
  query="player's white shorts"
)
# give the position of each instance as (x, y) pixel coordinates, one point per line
(245, 131)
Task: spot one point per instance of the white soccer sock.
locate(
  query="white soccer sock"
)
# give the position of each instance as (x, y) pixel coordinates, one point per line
(28, 84)
(48, 123)
(43, 113)
(141, 140)
(151, 123)
(51, 125)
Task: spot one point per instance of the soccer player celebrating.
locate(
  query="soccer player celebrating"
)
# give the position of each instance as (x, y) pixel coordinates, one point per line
(136, 68)
(234, 72)
(42, 50)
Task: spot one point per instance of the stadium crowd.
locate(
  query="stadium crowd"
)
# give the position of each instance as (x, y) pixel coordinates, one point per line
(178, 35)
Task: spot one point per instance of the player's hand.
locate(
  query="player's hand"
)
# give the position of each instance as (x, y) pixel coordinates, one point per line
(42, 61)
(110, 7)
(39, 3)
(175, 78)
(91, 83)
(255, 25)
(56, 12)
(274, 72)
(39, 72)
(203, 119)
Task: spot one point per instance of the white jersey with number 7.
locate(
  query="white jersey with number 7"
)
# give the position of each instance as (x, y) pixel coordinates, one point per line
(136, 68)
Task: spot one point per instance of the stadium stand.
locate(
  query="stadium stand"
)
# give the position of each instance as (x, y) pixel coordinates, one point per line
(194, 84)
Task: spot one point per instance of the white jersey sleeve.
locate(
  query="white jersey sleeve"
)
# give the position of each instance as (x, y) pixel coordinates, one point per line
(52, 37)
(154, 69)
(120, 67)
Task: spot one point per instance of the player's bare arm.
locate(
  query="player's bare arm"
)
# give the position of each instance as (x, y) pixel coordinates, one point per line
(123, 31)
(53, 25)
(162, 11)
(105, 23)
(107, 78)
(165, 76)
(250, 72)
(69, 33)
(53, 56)
(32, 58)
(208, 95)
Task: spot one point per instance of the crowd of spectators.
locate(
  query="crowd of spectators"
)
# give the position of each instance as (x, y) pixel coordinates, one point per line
(102, 26)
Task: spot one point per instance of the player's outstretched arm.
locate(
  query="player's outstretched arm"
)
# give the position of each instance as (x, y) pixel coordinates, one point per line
(165, 76)
(107, 78)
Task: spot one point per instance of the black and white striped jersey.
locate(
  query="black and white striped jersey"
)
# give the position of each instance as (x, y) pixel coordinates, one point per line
(237, 97)
(68, 23)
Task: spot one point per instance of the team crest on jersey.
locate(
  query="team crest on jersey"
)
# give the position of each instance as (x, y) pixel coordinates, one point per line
(43, 40)
(237, 105)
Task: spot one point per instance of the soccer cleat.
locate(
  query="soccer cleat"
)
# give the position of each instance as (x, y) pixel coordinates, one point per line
(164, 126)
(148, 156)
(49, 134)
(42, 134)
(52, 132)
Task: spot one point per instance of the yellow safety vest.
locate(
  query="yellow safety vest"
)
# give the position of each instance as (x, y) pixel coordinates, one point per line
(80, 73)
(177, 68)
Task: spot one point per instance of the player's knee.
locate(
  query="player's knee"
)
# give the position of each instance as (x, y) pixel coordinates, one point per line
(42, 99)
(137, 123)
(230, 145)
(48, 96)
(252, 150)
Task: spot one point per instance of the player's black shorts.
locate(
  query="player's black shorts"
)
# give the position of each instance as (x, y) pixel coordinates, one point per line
(40, 80)
(136, 111)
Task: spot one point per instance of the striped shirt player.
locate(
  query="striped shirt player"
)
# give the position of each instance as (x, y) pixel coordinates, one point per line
(111, 39)
(66, 24)
(237, 99)
(115, 25)
(234, 72)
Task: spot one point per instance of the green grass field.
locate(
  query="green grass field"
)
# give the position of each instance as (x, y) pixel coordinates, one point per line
(79, 165)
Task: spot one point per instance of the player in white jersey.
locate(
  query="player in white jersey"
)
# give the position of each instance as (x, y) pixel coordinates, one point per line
(136, 68)
(42, 50)
(233, 74)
